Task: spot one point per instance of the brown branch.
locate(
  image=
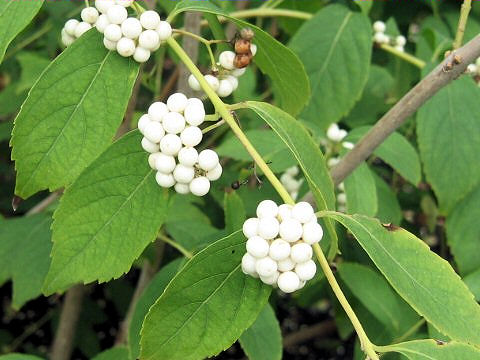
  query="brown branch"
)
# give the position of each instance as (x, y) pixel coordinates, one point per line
(72, 305)
(132, 104)
(315, 331)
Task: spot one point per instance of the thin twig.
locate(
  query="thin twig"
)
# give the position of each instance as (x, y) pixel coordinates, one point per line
(310, 332)
(213, 127)
(404, 56)
(132, 104)
(462, 23)
(175, 245)
(45, 203)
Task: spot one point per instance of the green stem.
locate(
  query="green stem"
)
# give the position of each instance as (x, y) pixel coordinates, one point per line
(213, 127)
(271, 4)
(217, 30)
(204, 41)
(176, 245)
(268, 12)
(222, 109)
(404, 56)
(462, 23)
(410, 331)
(212, 117)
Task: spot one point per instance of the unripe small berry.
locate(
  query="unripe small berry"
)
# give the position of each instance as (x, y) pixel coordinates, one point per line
(70, 26)
(183, 189)
(102, 23)
(266, 267)
(241, 61)
(215, 174)
(208, 160)
(286, 264)
(291, 230)
(173, 123)
(250, 227)
(157, 111)
(302, 212)
(226, 59)
(126, 47)
(257, 247)
(154, 131)
(104, 5)
(225, 88)
(193, 83)
(267, 208)
(165, 163)
(379, 26)
(212, 81)
(301, 252)
(248, 264)
(117, 14)
(170, 144)
(270, 280)
(183, 174)
(191, 136)
(164, 30)
(149, 146)
(150, 19)
(268, 227)
(110, 45)
(200, 186)
(89, 15)
(312, 233)
(113, 32)
(288, 282)
(131, 28)
(165, 180)
(82, 28)
(141, 55)
(177, 102)
(188, 156)
(152, 158)
(149, 40)
(279, 250)
(306, 270)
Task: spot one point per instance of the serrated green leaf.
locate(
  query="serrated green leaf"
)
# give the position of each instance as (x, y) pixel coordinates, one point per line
(431, 350)
(289, 80)
(263, 340)
(361, 191)
(389, 210)
(396, 151)
(14, 17)
(24, 254)
(206, 307)
(449, 139)
(70, 115)
(335, 46)
(463, 229)
(308, 156)
(422, 278)
(18, 356)
(116, 353)
(378, 297)
(234, 212)
(148, 298)
(106, 218)
(32, 66)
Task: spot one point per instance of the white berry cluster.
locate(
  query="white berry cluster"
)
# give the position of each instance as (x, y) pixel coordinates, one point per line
(474, 69)
(226, 82)
(380, 37)
(128, 36)
(171, 133)
(290, 183)
(279, 245)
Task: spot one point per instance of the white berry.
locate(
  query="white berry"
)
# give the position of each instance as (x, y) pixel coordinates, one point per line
(152, 158)
(379, 26)
(164, 30)
(173, 123)
(248, 264)
(113, 32)
(312, 233)
(284, 212)
(342, 198)
(208, 160)
(188, 156)
(472, 68)
(270, 280)
(104, 5)
(124, 3)
(141, 55)
(126, 47)
(183, 189)
(89, 15)
(233, 80)
(286, 264)
(110, 45)
(150, 20)
(253, 49)
(177, 102)
(279, 250)
(268, 227)
(301, 252)
(215, 174)
(131, 28)
(193, 83)
(306, 270)
(191, 136)
(82, 28)
(194, 113)
(226, 59)
(200, 186)
(267, 208)
(70, 26)
(225, 88)
(250, 227)
(183, 174)
(102, 23)
(149, 40)
(170, 144)
(67, 40)
(400, 40)
(164, 180)
(302, 212)
(212, 81)
(291, 230)
(288, 282)
(149, 146)
(266, 267)
(257, 247)
(154, 131)
(157, 111)
(238, 72)
(117, 14)
(165, 163)
(143, 122)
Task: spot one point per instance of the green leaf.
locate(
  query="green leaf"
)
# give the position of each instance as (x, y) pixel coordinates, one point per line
(234, 212)
(5, 130)
(449, 138)
(396, 151)
(463, 231)
(364, 5)
(308, 156)
(431, 350)
(32, 66)
(263, 340)
(18, 356)
(473, 282)
(14, 17)
(24, 254)
(389, 210)
(106, 218)
(290, 82)
(378, 297)
(70, 115)
(148, 298)
(361, 191)
(116, 353)
(10, 101)
(335, 46)
(206, 307)
(424, 280)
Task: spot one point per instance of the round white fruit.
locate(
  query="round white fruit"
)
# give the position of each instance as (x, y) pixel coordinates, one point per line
(233, 80)
(124, 3)
(149, 146)
(288, 282)
(306, 270)
(152, 158)
(164, 30)
(82, 28)
(104, 5)
(253, 49)
(302, 212)
(110, 45)
(150, 19)
(250, 227)
(141, 55)
(312, 233)
(149, 40)
(117, 14)
(194, 113)
(113, 32)
(268, 227)
(102, 23)
(270, 280)
(165, 163)
(226, 59)
(188, 156)
(70, 26)
(248, 264)
(212, 81)
(177, 102)
(379, 26)
(266, 267)
(183, 174)
(200, 186)
(157, 111)
(193, 83)
(170, 144)
(173, 123)
(183, 189)
(225, 88)
(164, 180)
(284, 212)
(131, 28)
(257, 247)
(279, 250)
(286, 265)
(291, 230)
(89, 15)
(208, 160)
(301, 252)
(267, 208)
(215, 174)
(191, 136)
(126, 47)
(238, 72)
(154, 131)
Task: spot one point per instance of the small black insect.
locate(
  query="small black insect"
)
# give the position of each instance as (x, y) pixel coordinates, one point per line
(237, 184)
